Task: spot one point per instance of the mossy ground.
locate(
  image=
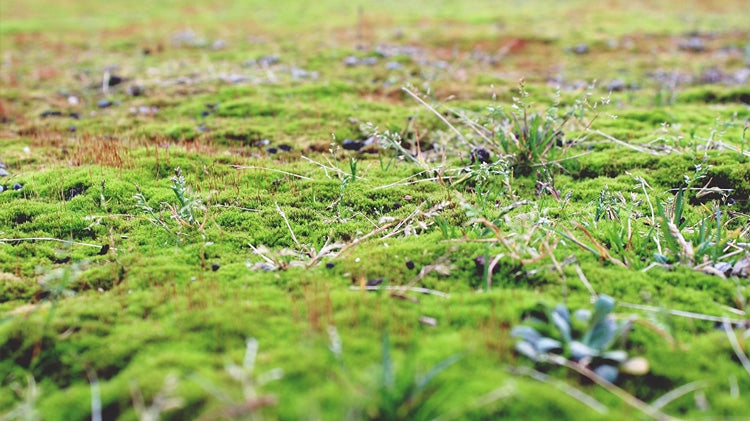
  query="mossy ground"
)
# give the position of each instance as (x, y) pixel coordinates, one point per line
(94, 286)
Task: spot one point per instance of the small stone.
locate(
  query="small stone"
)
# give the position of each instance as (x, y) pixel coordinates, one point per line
(61, 260)
(352, 145)
(17, 186)
(330, 265)
(351, 61)
(205, 113)
(73, 100)
(272, 150)
(369, 61)
(262, 142)
(731, 201)
(581, 49)
(374, 282)
(409, 265)
(429, 321)
(104, 250)
(114, 80)
(396, 205)
(2, 188)
(269, 60)
(723, 267)
(285, 148)
(74, 116)
(616, 85)
(104, 103)
(393, 65)
(3, 172)
(50, 113)
(712, 75)
(693, 44)
(480, 155)
(219, 44)
(215, 267)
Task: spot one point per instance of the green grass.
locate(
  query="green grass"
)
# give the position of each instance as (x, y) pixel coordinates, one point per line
(126, 286)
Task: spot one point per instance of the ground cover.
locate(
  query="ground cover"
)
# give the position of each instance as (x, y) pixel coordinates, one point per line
(410, 210)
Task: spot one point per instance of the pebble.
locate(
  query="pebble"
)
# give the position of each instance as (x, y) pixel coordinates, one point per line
(104, 250)
(616, 85)
(17, 186)
(351, 61)
(481, 155)
(285, 148)
(409, 264)
(104, 103)
(2, 188)
(114, 80)
(272, 150)
(581, 49)
(352, 145)
(215, 267)
(330, 265)
(3, 172)
(50, 113)
(374, 282)
(74, 116)
(73, 100)
(393, 65)
(693, 44)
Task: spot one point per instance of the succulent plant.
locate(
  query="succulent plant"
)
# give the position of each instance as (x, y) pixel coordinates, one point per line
(590, 346)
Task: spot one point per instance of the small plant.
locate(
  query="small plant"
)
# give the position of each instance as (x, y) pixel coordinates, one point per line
(529, 138)
(252, 399)
(183, 212)
(587, 339)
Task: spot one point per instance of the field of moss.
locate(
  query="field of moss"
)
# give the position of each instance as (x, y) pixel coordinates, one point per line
(374, 210)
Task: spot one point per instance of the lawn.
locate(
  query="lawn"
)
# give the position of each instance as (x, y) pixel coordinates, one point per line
(390, 210)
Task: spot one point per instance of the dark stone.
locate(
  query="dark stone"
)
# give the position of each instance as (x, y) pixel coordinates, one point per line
(409, 264)
(480, 155)
(374, 282)
(215, 267)
(396, 205)
(272, 150)
(17, 186)
(74, 115)
(114, 80)
(330, 265)
(285, 148)
(61, 260)
(104, 250)
(104, 103)
(731, 201)
(352, 145)
(205, 113)
(50, 113)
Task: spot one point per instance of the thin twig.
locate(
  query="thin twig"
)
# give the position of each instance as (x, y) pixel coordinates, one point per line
(569, 390)
(283, 215)
(440, 116)
(680, 313)
(673, 394)
(13, 240)
(610, 387)
(736, 345)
